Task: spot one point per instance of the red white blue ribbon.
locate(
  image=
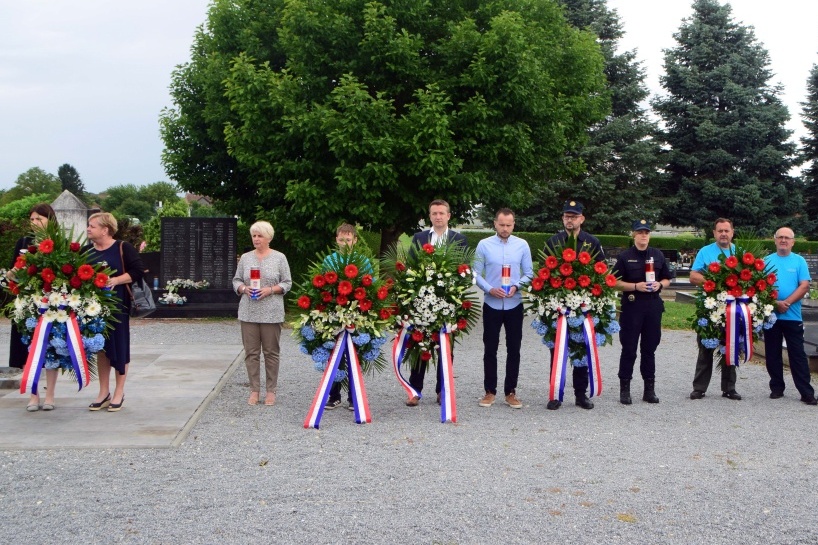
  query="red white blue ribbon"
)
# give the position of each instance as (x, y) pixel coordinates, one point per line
(36, 356)
(738, 326)
(399, 347)
(592, 351)
(343, 346)
(559, 363)
(79, 362)
(448, 406)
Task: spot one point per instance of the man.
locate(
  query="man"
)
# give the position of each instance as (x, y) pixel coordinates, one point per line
(723, 233)
(572, 218)
(642, 309)
(502, 306)
(792, 283)
(346, 237)
(439, 215)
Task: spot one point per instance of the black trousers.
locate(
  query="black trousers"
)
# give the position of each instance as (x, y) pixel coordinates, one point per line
(640, 318)
(793, 332)
(416, 376)
(493, 322)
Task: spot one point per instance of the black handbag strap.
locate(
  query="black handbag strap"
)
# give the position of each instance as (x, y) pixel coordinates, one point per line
(122, 259)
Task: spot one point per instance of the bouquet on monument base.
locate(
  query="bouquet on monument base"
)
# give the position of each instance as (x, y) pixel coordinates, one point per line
(345, 313)
(574, 303)
(62, 307)
(735, 303)
(436, 304)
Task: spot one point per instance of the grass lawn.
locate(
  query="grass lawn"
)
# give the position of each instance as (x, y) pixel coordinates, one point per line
(677, 315)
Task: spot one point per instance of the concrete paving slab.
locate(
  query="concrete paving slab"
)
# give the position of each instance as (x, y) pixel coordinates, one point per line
(168, 388)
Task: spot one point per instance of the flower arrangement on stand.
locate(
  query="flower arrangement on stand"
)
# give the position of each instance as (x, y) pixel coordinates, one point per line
(62, 307)
(574, 303)
(735, 302)
(345, 312)
(434, 305)
(186, 284)
(170, 297)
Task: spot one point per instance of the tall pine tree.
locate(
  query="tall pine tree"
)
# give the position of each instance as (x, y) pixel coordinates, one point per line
(809, 151)
(70, 180)
(729, 154)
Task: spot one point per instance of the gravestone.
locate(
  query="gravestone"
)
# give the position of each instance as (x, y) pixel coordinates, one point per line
(72, 214)
(812, 264)
(199, 249)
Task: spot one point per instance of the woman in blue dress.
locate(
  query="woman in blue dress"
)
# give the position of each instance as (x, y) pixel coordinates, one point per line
(117, 352)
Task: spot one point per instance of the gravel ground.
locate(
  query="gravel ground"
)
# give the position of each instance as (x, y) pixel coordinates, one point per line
(710, 471)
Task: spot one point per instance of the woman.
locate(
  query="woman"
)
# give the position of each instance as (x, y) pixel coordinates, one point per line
(261, 312)
(39, 216)
(117, 352)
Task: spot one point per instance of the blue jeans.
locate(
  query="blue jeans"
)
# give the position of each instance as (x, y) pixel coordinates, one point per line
(793, 332)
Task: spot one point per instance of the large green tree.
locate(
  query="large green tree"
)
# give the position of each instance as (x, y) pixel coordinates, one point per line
(328, 110)
(621, 158)
(31, 182)
(131, 201)
(70, 180)
(724, 124)
(809, 151)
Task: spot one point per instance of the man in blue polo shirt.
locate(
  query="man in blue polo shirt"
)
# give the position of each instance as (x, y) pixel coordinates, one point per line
(792, 283)
(502, 306)
(723, 233)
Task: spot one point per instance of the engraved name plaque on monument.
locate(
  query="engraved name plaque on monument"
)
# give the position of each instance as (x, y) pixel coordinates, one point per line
(199, 249)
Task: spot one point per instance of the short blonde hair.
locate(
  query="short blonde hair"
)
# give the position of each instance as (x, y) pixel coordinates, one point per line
(105, 219)
(263, 228)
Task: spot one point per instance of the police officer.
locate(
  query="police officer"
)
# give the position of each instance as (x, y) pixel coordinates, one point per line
(642, 309)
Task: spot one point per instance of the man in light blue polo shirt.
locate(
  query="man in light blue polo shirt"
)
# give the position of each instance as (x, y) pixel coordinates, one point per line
(723, 233)
(792, 283)
(502, 307)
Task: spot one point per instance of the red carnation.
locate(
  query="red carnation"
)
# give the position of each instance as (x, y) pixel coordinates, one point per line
(20, 262)
(326, 296)
(85, 272)
(759, 264)
(100, 280)
(731, 281)
(584, 258)
(751, 291)
(714, 267)
(417, 336)
(428, 248)
(360, 294)
(735, 292)
(600, 267)
(748, 258)
(466, 304)
(74, 246)
(566, 269)
(13, 287)
(385, 314)
(569, 255)
(318, 281)
(584, 281)
(75, 282)
(32, 270)
(774, 295)
(462, 324)
(321, 308)
(383, 292)
(351, 271)
(771, 278)
(366, 280)
(537, 283)
(731, 261)
(342, 300)
(68, 268)
(399, 266)
(746, 274)
(32, 249)
(47, 246)
(425, 356)
(610, 280)
(344, 287)
(46, 286)
(365, 305)
(570, 283)
(596, 291)
(435, 336)
(331, 277)
(551, 262)
(47, 275)
(544, 273)
(304, 302)
(761, 285)
(556, 282)
(709, 286)
(462, 268)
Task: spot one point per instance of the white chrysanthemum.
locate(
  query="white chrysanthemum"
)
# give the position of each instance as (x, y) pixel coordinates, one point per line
(722, 296)
(50, 315)
(710, 303)
(74, 300)
(62, 316)
(93, 308)
(55, 299)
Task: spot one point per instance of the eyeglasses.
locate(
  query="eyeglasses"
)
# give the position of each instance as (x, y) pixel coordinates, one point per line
(784, 238)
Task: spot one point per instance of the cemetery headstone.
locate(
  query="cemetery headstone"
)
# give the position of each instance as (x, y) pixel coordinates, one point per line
(199, 249)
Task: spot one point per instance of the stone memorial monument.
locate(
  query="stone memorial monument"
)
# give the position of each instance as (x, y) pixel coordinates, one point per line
(72, 214)
(199, 249)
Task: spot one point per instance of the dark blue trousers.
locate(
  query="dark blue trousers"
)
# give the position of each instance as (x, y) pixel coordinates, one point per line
(793, 333)
(493, 322)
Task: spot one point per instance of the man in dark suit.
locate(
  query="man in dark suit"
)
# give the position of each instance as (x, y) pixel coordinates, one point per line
(439, 215)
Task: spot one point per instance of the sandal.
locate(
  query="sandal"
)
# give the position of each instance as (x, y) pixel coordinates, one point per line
(270, 399)
(253, 399)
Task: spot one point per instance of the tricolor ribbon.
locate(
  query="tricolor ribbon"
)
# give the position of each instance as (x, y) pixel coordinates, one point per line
(559, 363)
(39, 347)
(343, 346)
(399, 348)
(738, 331)
(448, 406)
(79, 361)
(592, 350)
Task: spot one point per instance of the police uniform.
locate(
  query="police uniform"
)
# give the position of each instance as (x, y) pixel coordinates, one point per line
(641, 316)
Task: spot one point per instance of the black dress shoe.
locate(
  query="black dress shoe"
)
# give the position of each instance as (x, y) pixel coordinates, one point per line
(696, 394)
(776, 395)
(809, 400)
(101, 405)
(732, 394)
(553, 405)
(584, 402)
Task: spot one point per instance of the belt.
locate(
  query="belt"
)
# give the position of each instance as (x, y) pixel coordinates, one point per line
(639, 296)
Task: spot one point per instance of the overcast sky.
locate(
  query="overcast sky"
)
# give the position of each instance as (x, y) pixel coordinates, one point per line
(83, 82)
